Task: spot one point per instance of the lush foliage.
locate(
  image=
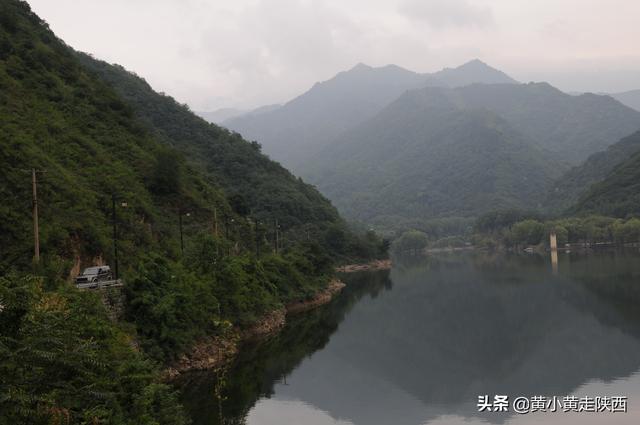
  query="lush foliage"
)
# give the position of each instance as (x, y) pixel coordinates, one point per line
(618, 195)
(425, 157)
(412, 241)
(589, 230)
(210, 232)
(576, 182)
(62, 361)
(255, 184)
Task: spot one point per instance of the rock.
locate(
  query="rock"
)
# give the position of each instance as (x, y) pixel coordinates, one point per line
(372, 266)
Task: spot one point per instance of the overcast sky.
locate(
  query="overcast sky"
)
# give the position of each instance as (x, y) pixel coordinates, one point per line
(246, 53)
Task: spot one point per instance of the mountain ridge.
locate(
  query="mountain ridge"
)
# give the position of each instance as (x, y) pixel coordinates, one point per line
(303, 126)
(446, 161)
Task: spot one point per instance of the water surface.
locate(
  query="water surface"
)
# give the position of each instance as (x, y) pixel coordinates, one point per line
(418, 346)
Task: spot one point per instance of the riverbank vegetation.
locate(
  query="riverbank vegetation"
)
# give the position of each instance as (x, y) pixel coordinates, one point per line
(202, 245)
(517, 229)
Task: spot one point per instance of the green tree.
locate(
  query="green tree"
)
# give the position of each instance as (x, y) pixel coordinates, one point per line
(529, 232)
(412, 240)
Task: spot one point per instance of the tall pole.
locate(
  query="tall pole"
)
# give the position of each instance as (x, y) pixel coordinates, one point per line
(215, 222)
(115, 233)
(257, 241)
(36, 230)
(181, 237)
(277, 237)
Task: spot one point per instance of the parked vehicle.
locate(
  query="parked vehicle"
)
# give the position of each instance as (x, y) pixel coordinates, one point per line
(95, 275)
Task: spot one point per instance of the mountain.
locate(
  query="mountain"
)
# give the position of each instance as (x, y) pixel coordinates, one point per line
(247, 176)
(577, 181)
(426, 155)
(408, 161)
(629, 98)
(220, 115)
(571, 127)
(299, 128)
(190, 206)
(58, 118)
(302, 127)
(96, 130)
(617, 195)
(471, 72)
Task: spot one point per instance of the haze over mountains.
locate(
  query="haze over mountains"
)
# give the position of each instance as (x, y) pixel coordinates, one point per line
(630, 98)
(616, 194)
(387, 143)
(293, 133)
(576, 182)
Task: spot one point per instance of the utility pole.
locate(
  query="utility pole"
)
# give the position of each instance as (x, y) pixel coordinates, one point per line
(180, 214)
(115, 234)
(36, 229)
(277, 236)
(181, 237)
(215, 222)
(257, 241)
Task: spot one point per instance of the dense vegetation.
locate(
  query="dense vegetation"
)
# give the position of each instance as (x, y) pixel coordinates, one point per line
(518, 229)
(263, 187)
(163, 170)
(423, 157)
(442, 152)
(62, 361)
(618, 195)
(577, 181)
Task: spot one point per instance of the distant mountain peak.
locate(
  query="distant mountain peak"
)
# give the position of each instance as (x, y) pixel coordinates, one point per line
(474, 62)
(360, 67)
(473, 71)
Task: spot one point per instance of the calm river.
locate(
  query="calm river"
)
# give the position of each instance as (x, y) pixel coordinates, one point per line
(420, 344)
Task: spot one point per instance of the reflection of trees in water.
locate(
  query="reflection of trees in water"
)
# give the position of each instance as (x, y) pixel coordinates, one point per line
(262, 365)
(613, 277)
(454, 326)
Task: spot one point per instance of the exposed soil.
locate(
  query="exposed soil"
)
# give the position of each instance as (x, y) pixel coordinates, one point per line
(372, 266)
(215, 352)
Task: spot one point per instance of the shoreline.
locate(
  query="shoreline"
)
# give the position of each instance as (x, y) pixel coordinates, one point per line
(372, 266)
(218, 351)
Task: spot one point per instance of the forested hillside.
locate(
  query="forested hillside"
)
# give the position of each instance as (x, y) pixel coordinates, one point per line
(297, 131)
(571, 127)
(248, 177)
(578, 180)
(96, 151)
(507, 161)
(425, 157)
(618, 195)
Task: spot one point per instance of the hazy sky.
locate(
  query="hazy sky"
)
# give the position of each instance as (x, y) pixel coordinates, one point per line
(245, 53)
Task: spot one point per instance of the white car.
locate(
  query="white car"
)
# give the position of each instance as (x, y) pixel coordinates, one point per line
(94, 275)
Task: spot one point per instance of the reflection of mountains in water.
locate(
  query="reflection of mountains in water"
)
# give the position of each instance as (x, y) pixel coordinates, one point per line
(455, 328)
(260, 367)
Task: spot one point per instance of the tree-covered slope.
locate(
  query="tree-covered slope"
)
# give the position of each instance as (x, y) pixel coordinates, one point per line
(60, 119)
(424, 156)
(577, 181)
(298, 130)
(246, 175)
(571, 127)
(618, 195)
(171, 176)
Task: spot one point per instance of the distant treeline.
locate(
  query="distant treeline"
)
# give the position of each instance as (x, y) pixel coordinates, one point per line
(518, 228)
